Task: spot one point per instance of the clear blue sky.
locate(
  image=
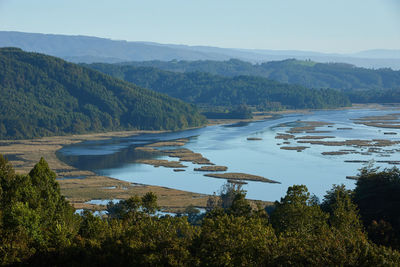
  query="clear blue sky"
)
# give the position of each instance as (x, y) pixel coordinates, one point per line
(320, 25)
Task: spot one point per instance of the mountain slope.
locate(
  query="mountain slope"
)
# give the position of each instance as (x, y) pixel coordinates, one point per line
(307, 73)
(42, 95)
(93, 49)
(213, 90)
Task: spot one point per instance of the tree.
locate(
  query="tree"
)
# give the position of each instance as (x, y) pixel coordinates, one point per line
(229, 240)
(297, 212)
(377, 194)
(343, 213)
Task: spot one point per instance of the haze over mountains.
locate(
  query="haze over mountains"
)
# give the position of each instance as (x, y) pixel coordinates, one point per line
(85, 49)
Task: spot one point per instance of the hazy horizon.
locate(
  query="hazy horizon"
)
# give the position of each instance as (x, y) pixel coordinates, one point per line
(342, 27)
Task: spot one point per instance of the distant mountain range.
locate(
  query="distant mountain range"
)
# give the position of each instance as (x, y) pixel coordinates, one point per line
(85, 49)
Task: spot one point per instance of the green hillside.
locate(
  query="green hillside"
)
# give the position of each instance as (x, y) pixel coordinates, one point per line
(360, 84)
(42, 95)
(213, 90)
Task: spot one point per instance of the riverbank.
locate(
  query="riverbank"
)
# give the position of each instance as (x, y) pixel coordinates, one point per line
(24, 154)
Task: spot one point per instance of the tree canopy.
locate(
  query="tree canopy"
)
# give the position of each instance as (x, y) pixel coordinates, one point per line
(362, 85)
(42, 96)
(215, 90)
(39, 227)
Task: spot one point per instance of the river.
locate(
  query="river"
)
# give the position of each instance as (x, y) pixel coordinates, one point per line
(227, 145)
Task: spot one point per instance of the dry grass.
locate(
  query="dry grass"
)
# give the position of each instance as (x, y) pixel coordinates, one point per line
(147, 149)
(26, 153)
(167, 143)
(284, 136)
(212, 168)
(390, 121)
(354, 143)
(240, 176)
(313, 137)
(188, 155)
(79, 191)
(335, 153)
(162, 163)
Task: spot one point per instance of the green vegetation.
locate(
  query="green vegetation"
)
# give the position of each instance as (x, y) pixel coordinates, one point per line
(378, 196)
(233, 92)
(360, 84)
(42, 95)
(39, 227)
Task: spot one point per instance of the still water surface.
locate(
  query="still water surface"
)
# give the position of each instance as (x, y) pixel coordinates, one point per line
(228, 146)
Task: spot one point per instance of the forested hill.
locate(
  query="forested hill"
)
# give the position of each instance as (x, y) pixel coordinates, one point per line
(42, 95)
(214, 90)
(307, 73)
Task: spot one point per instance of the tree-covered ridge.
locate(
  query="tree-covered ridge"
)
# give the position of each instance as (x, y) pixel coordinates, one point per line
(361, 84)
(214, 90)
(42, 95)
(39, 227)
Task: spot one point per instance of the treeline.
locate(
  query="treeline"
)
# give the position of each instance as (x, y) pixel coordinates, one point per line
(360, 84)
(307, 73)
(213, 90)
(42, 95)
(39, 227)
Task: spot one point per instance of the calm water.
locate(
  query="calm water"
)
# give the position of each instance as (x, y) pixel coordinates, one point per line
(228, 146)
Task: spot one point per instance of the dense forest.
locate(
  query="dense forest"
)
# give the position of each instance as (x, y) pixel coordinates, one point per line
(307, 73)
(348, 228)
(214, 90)
(42, 95)
(361, 84)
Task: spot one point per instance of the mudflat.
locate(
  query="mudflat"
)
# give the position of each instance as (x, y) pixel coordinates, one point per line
(24, 154)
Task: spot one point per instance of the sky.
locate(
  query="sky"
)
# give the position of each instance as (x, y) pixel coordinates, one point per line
(330, 26)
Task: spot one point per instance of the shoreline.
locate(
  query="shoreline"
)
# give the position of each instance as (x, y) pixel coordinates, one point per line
(24, 154)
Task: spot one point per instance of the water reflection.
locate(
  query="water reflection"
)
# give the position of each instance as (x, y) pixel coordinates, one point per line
(228, 146)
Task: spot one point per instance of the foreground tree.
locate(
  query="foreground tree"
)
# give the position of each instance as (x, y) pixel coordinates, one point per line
(377, 195)
(298, 212)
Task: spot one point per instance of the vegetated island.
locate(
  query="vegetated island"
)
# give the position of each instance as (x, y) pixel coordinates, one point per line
(161, 162)
(240, 176)
(254, 138)
(214, 168)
